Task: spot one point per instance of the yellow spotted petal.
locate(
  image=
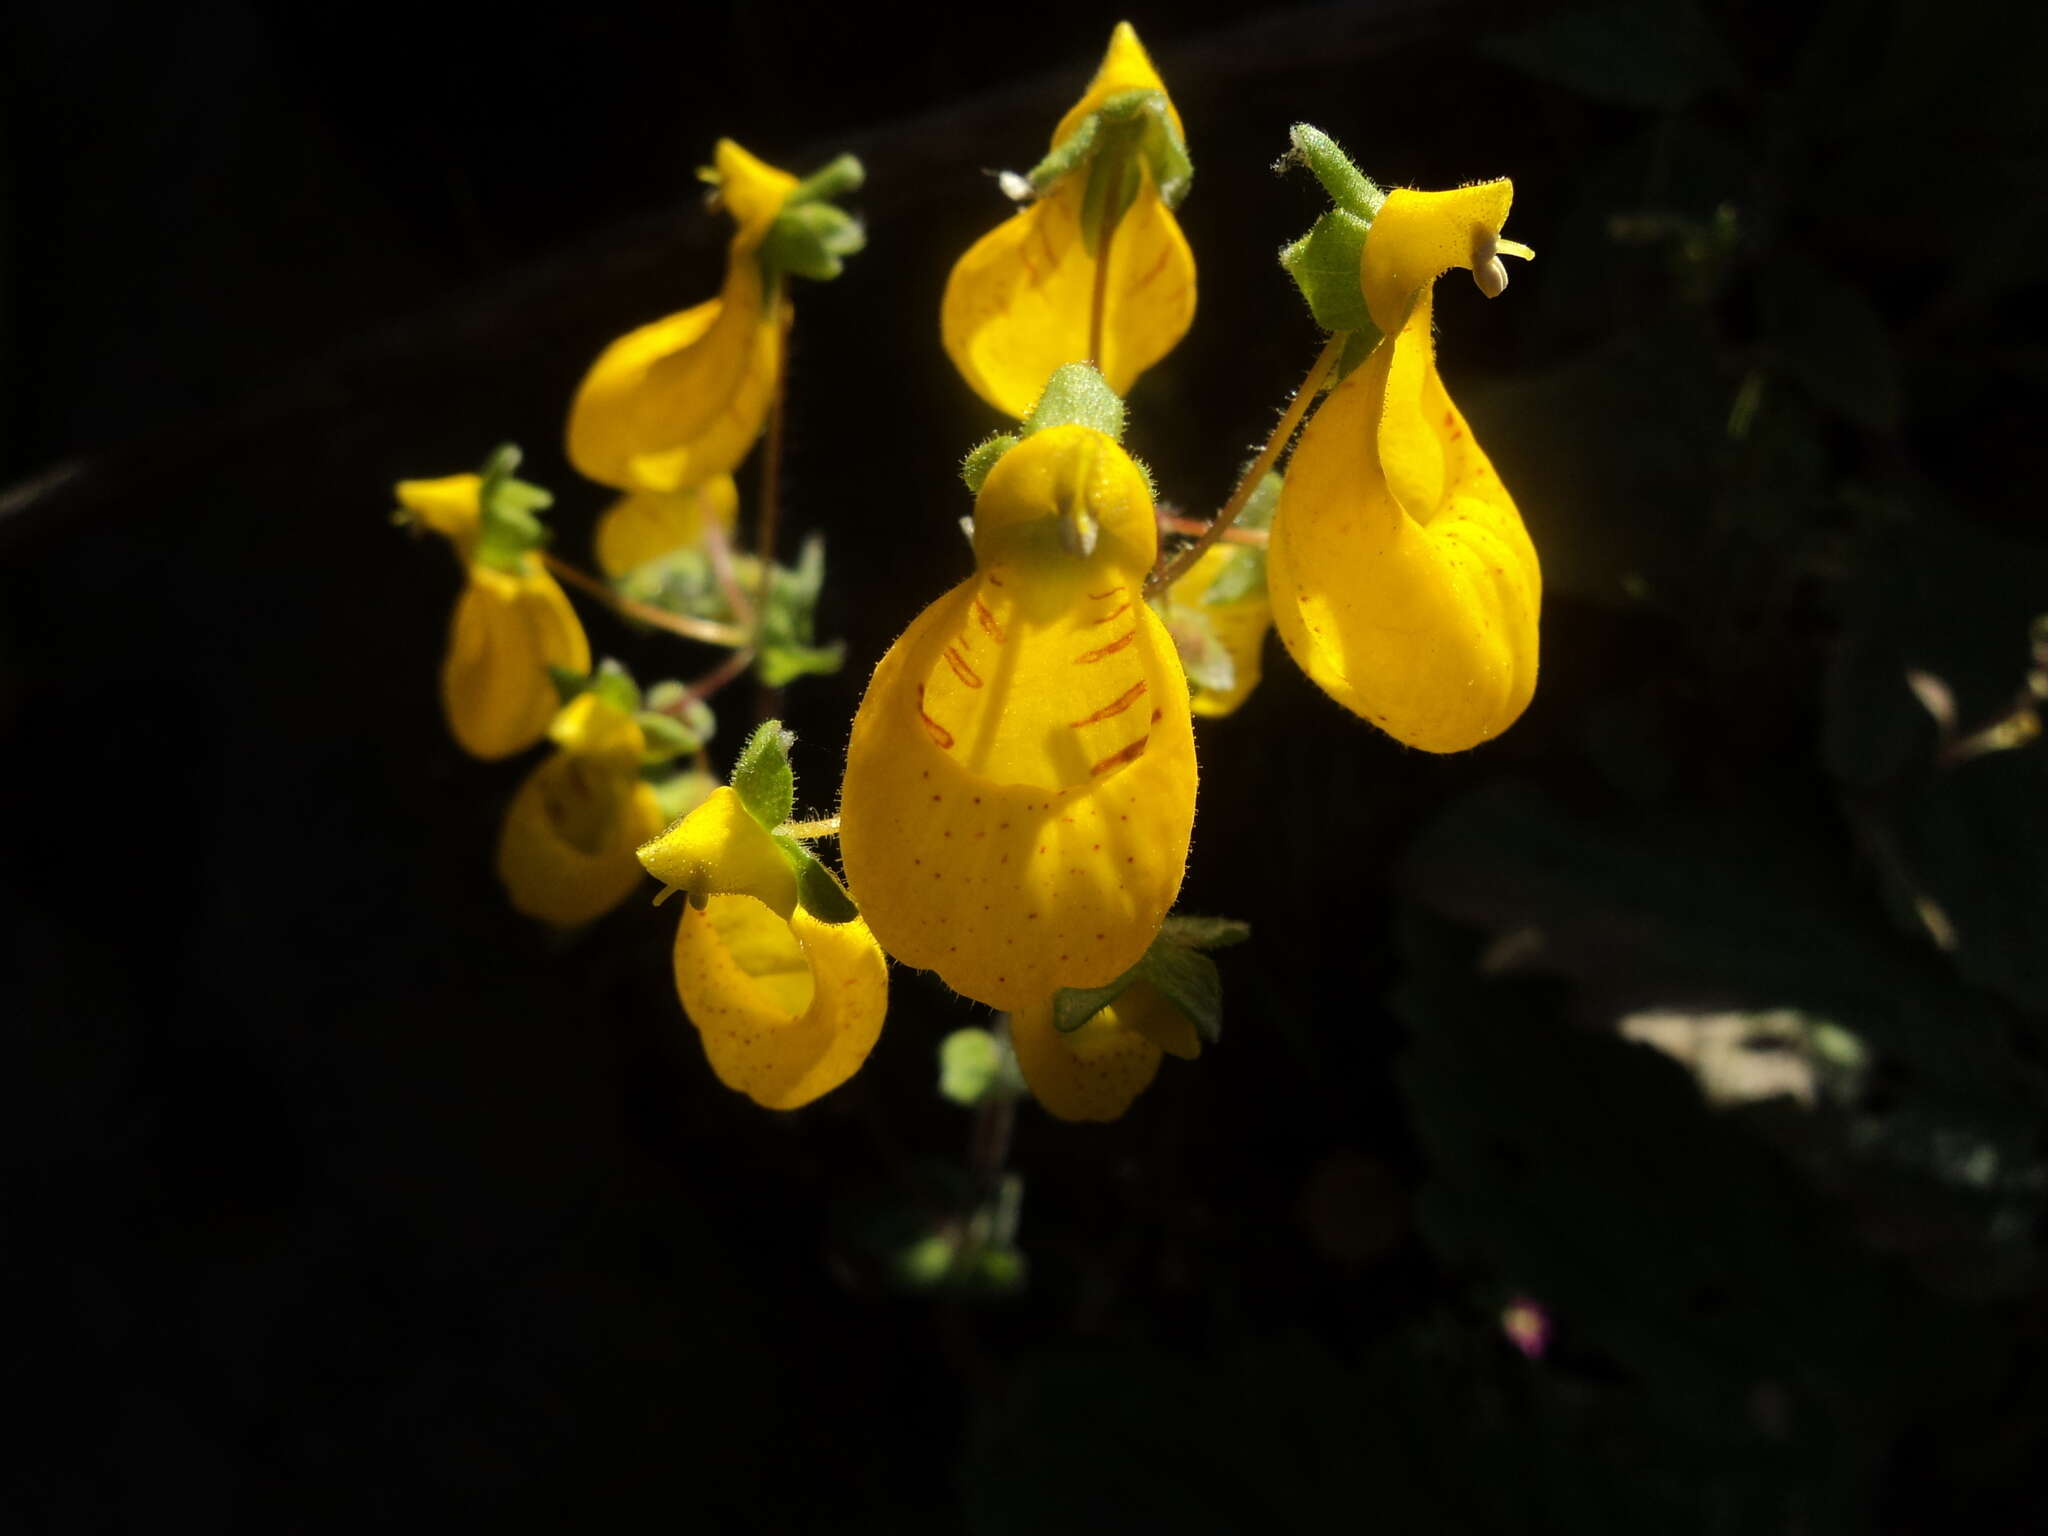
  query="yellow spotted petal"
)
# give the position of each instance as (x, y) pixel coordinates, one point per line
(1125, 67)
(1241, 624)
(565, 852)
(1402, 579)
(1094, 1072)
(719, 849)
(451, 506)
(787, 1009)
(1017, 304)
(508, 630)
(646, 525)
(1020, 782)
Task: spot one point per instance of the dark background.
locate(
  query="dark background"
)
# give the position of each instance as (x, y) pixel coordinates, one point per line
(339, 1195)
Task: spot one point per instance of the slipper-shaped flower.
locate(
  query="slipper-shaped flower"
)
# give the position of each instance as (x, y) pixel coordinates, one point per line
(680, 400)
(1095, 1071)
(1020, 781)
(1236, 622)
(512, 624)
(1019, 303)
(787, 1005)
(565, 852)
(1402, 579)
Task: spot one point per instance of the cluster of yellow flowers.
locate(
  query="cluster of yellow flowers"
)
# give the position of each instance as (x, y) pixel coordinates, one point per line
(1020, 782)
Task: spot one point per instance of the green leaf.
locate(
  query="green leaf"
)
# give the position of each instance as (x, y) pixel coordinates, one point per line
(667, 737)
(1076, 395)
(788, 648)
(1324, 264)
(1832, 339)
(1196, 932)
(762, 777)
(981, 458)
(816, 886)
(1349, 187)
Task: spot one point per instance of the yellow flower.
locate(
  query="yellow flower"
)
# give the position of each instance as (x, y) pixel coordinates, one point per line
(565, 852)
(1018, 304)
(681, 400)
(1238, 624)
(1403, 582)
(510, 626)
(788, 1006)
(1020, 782)
(1096, 1071)
(645, 525)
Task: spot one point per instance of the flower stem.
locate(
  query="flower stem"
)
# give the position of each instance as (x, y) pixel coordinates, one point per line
(706, 630)
(1282, 434)
(728, 669)
(1193, 527)
(824, 826)
(718, 549)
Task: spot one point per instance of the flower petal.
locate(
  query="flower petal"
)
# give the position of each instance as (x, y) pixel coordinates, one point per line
(508, 630)
(1057, 874)
(1240, 624)
(1125, 67)
(451, 506)
(1402, 579)
(646, 525)
(753, 192)
(1017, 305)
(1092, 1073)
(1418, 236)
(719, 849)
(565, 851)
(787, 1010)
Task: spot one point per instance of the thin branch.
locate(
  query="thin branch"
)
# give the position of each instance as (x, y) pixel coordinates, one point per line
(706, 630)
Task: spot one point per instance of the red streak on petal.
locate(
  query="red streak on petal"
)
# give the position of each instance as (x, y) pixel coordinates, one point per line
(1117, 612)
(988, 620)
(1121, 756)
(1115, 707)
(1110, 649)
(961, 670)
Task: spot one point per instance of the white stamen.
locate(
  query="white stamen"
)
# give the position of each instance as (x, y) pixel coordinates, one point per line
(1015, 187)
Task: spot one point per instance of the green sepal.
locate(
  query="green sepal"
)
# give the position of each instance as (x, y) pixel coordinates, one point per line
(1114, 181)
(1176, 966)
(674, 699)
(809, 240)
(1243, 576)
(787, 637)
(1065, 155)
(975, 1065)
(981, 458)
(816, 886)
(1349, 187)
(679, 793)
(507, 529)
(1263, 502)
(1324, 264)
(614, 684)
(762, 777)
(1160, 144)
(1076, 395)
(1358, 346)
(1203, 656)
(667, 737)
(1193, 931)
(834, 179)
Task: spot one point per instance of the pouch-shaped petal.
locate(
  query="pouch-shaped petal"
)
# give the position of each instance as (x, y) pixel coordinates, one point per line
(681, 400)
(1020, 781)
(1402, 579)
(450, 505)
(508, 630)
(787, 1010)
(1094, 1072)
(645, 525)
(1018, 304)
(565, 852)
